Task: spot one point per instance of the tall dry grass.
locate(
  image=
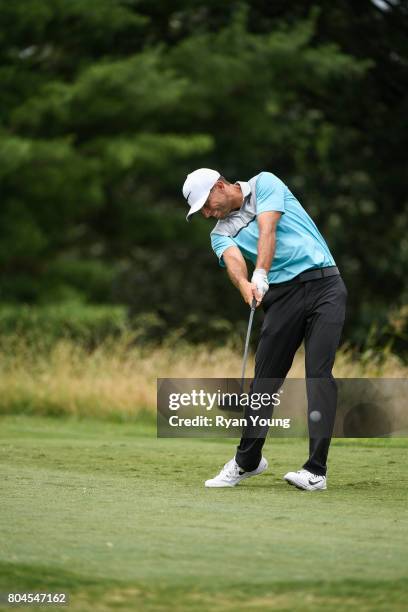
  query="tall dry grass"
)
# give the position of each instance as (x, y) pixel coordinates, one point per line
(118, 379)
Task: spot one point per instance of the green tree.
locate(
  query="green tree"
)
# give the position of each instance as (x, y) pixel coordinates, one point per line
(107, 104)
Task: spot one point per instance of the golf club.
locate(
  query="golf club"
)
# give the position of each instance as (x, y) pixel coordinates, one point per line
(248, 335)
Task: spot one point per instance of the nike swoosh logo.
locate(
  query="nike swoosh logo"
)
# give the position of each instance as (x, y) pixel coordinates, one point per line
(240, 473)
(313, 482)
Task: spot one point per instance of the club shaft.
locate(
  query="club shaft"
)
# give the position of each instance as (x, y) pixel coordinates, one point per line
(248, 336)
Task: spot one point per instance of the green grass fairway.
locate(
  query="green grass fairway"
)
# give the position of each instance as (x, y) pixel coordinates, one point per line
(121, 521)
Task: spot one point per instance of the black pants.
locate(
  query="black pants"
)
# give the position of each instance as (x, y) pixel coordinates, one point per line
(312, 311)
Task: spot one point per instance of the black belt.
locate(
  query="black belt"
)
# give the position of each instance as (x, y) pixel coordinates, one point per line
(308, 275)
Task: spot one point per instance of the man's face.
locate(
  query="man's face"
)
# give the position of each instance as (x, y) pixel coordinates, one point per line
(217, 204)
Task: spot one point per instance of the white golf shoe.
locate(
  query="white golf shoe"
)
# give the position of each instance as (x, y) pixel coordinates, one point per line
(231, 474)
(303, 479)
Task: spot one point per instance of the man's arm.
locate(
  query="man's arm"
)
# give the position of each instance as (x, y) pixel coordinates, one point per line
(267, 222)
(238, 273)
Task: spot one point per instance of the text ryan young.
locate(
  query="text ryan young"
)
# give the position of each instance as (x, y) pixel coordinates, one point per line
(222, 421)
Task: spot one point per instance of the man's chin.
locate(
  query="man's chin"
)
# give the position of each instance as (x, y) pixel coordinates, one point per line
(220, 215)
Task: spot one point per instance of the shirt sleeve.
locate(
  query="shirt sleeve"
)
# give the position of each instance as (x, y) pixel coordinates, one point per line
(219, 244)
(270, 193)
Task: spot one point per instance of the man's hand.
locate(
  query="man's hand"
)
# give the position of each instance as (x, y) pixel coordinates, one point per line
(260, 280)
(249, 292)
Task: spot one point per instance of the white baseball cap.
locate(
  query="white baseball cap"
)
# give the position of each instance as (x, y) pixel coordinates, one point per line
(197, 187)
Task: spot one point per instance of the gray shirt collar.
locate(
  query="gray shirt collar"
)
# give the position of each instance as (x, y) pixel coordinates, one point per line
(237, 219)
(245, 188)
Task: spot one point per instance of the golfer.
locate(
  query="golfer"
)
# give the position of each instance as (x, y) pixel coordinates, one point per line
(302, 294)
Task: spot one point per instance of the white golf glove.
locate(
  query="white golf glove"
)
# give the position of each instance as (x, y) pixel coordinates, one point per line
(260, 280)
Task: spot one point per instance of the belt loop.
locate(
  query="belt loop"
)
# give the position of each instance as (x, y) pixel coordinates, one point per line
(322, 271)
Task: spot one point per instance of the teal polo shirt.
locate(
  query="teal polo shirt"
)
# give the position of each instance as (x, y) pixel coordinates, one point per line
(299, 244)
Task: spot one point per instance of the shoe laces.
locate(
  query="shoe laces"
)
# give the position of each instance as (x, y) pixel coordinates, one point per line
(308, 474)
(230, 469)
